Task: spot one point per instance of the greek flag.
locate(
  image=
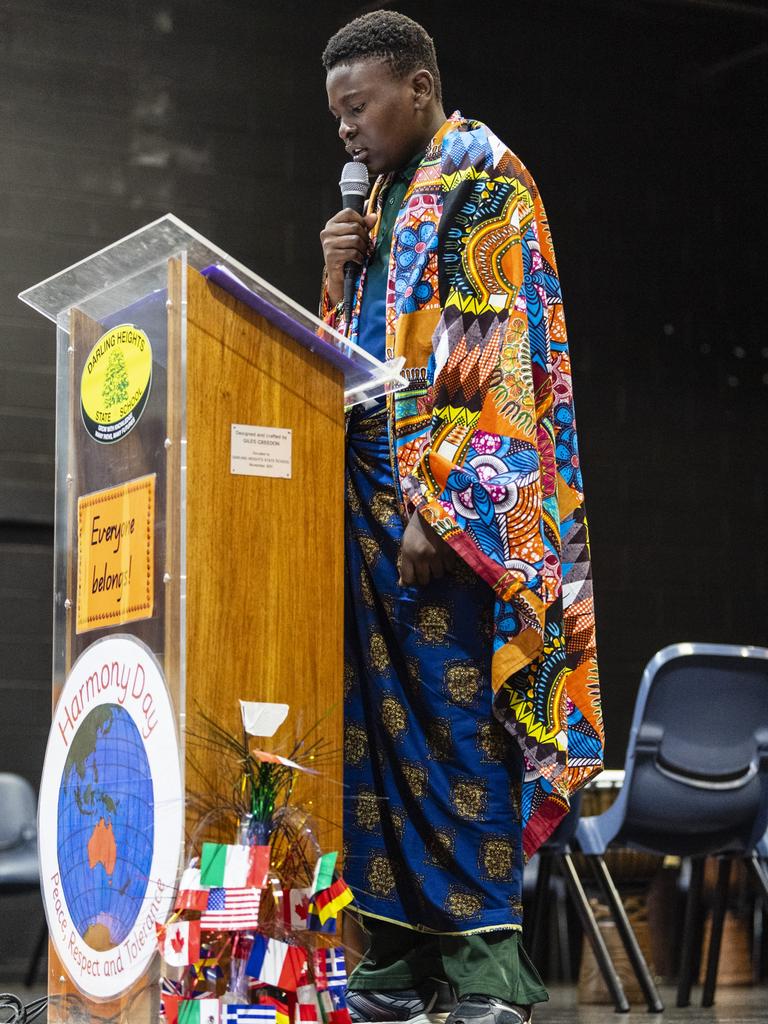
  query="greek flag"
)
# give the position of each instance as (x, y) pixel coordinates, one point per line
(335, 967)
(237, 1013)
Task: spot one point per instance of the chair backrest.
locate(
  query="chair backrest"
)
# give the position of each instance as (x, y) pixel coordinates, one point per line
(698, 747)
(18, 811)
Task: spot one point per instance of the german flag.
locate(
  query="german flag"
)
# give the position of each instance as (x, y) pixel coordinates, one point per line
(331, 901)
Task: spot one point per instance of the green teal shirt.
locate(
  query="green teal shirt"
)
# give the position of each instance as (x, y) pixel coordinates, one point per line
(371, 332)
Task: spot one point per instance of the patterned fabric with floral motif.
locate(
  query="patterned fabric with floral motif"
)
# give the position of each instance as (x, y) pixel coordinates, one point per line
(485, 444)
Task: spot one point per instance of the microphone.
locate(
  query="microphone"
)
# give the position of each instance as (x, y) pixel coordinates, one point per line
(354, 189)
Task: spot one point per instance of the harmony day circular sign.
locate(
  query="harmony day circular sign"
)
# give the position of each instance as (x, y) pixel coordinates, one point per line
(110, 818)
(115, 383)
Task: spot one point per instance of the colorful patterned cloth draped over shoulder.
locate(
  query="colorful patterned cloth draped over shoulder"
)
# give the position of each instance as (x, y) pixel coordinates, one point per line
(485, 445)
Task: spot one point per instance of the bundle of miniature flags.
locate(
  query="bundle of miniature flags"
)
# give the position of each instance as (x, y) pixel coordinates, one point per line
(227, 887)
(278, 965)
(223, 966)
(226, 892)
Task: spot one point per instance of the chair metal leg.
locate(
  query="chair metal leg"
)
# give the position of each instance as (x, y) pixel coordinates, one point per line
(719, 906)
(563, 936)
(760, 873)
(594, 935)
(690, 933)
(628, 937)
(37, 956)
(758, 931)
(759, 916)
(537, 940)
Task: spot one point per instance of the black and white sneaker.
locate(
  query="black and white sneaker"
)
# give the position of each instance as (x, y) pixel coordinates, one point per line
(477, 1009)
(401, 1006)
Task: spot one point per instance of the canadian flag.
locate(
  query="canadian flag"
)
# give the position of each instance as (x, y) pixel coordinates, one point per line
(296, 904)
(179, 942)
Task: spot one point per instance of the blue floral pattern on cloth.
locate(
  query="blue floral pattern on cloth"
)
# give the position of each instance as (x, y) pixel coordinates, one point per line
(541, 288)
(414, 247)
(566, 450)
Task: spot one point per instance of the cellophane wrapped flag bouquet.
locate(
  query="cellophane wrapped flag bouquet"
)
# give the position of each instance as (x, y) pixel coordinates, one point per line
(254, 932)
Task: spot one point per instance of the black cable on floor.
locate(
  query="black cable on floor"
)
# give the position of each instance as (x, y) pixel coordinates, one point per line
(21, 1013)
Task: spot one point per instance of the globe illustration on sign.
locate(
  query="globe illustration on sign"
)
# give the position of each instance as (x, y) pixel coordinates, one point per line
(105, 834)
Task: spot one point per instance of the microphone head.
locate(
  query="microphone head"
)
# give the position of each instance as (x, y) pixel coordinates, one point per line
(354, 180)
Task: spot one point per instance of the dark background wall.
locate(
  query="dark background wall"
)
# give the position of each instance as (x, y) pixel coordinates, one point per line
(642, 121)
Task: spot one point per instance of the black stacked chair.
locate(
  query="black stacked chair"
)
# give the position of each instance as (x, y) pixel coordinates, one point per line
(556, 853)
(695, 784)
(19, 867)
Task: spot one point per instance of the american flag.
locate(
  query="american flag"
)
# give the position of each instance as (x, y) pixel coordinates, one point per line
(230, 909)
(238, 1013)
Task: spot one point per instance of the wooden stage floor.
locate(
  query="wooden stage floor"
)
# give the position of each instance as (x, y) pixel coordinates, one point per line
(732, 1006)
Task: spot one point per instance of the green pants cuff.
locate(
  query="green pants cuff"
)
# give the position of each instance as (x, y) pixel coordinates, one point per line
(493, 964)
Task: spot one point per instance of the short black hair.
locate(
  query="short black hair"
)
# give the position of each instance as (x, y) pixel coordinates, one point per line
(389, 36)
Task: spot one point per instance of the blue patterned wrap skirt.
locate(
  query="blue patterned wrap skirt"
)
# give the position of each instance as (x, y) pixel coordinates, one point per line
(432, 780)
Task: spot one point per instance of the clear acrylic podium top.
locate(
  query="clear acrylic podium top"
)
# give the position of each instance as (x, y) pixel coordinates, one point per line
(125, 272)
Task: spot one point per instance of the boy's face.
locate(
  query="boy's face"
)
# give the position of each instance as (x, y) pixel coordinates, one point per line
(383, 120)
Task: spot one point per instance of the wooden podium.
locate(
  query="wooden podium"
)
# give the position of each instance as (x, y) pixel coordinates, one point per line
(199, 524)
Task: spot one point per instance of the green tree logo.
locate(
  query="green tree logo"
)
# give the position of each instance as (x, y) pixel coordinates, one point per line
(116, 382)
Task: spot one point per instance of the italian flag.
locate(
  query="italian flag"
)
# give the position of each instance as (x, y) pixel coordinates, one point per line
(234, 867)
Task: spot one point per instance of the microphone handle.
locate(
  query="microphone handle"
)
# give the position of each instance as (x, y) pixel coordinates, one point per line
(350, 277)
(351, 201)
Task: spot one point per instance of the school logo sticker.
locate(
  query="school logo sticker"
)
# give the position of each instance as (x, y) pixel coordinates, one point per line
(110, 816)
(115, 384)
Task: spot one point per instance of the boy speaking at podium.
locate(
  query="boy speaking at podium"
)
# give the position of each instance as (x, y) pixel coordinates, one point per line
(472, 702)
